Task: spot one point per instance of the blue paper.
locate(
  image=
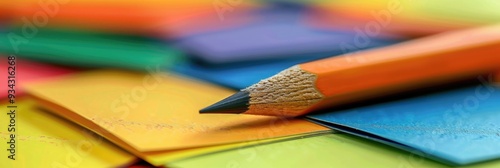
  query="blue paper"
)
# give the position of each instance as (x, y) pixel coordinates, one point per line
(460, 126)
(237, 76)
(242, 75)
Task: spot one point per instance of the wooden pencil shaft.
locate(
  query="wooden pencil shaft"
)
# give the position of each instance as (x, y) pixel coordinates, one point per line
(424, 62)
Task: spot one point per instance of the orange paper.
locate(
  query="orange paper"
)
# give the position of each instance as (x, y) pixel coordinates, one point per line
(150, 17)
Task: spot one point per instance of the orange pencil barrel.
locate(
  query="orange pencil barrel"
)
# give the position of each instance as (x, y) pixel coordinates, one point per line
(427, 62)
(432, 60)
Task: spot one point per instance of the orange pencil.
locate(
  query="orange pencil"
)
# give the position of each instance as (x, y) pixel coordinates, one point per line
(353, 77)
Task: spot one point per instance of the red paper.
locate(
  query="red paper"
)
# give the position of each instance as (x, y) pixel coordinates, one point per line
(26, 72)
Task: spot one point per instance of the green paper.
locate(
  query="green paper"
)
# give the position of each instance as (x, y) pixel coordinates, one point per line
(330, 150)
(478, 11)
(88, 49)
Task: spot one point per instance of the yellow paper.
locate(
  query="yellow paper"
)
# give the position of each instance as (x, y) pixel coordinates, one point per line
(157, 113)
(332, 150)
(439, 12)
(45, 140)
(165, 158)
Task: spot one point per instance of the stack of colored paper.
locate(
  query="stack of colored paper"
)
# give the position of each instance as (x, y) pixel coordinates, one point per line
(137, 116)
(113, 83)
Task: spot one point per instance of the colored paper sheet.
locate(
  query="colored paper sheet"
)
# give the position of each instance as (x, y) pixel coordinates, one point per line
(458, 127)
(237, 76)
(152, 17)
(241, 75)
(277, 32)
(157, 113)
(28, 71)
(331, 150)
(45, 140)
(411, 17)
(89, 49)
(169, 157)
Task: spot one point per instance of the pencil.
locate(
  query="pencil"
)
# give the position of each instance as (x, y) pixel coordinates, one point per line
(334, 81)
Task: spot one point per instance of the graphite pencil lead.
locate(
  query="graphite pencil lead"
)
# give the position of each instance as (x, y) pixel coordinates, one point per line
(234, 104)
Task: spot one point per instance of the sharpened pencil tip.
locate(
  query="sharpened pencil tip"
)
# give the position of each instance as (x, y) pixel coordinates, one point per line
(234, 104)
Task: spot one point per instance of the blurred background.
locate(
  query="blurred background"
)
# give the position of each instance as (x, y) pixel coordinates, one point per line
(231, 43)
(207, 39)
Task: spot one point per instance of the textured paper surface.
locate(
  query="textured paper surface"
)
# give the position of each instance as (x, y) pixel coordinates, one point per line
(45, 140)
(459, 126)
(143, 115)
